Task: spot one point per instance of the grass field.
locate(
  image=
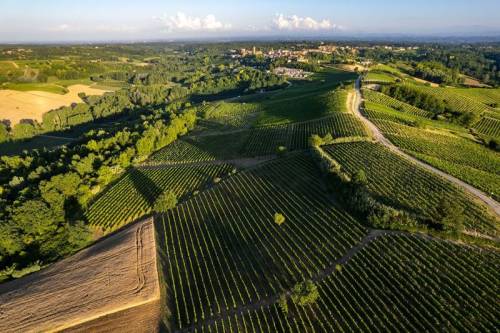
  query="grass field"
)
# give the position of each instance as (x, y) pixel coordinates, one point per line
(46, 87)
(16, 105)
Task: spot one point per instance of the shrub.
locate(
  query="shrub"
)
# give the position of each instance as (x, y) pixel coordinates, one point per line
(279, 219)
(283, 303)
(305, 293)
(167, 200)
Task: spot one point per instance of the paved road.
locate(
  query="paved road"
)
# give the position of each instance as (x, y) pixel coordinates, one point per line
(378, 136)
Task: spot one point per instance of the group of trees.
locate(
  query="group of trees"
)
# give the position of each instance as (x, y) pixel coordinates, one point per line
(436, 72)
(43, 194)
(442, 63)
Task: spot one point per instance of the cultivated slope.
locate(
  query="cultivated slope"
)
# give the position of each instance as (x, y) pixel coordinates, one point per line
(494, 205)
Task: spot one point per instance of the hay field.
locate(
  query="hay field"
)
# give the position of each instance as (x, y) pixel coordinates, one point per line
(116, 275)
(17, 105)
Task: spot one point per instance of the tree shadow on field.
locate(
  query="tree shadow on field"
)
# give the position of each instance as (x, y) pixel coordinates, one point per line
(146, 187)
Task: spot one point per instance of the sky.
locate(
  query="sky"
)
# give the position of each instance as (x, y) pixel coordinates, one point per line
(138, 20)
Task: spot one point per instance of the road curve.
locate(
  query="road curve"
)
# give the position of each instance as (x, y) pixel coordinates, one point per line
(378, 136)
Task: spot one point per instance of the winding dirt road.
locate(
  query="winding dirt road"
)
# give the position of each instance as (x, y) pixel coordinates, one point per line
(378, 136)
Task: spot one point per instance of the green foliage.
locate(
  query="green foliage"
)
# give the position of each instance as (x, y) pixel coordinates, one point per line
(415, 97)
(4, 133)
(283, 303)
(360, 178)
(167, 200)
(450, 216)
(279, 218)
(305, 293)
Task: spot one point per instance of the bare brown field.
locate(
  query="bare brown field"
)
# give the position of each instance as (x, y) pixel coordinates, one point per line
(17, 105)
(113, 283)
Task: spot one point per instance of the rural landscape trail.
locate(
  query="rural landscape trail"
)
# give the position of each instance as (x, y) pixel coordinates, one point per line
(378, 136)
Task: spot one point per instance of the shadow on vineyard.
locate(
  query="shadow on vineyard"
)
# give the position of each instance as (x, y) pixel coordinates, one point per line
(147, 188)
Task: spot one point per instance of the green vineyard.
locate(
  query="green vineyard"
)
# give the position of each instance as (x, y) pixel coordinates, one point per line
(383, 99)
(135, 193)
(488, 126)
(397, 283)
(259, 141)
(402, 184)
(456, 100)
(222, 249)
(458, 156)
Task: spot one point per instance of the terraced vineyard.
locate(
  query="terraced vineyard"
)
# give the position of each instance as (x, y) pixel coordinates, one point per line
(277, 108)
(456, 99)
(488, 126)
(135, 193)
(400, 183)
(259, 141)
(397, 283)
(383, 99)
(484, 95)
(222, 249)
(379, 77)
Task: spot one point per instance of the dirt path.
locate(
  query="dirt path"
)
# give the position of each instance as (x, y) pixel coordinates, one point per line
(371, 236)
(244, 162)
(378, 136)
(111, 277)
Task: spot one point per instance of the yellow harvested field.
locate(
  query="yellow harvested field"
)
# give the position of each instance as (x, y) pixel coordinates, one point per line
(113, 283)
(17, 105)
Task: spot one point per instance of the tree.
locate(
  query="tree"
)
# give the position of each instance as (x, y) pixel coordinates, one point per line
(315, 140)
(279, 219)
(167, 200)
(305, 293)
(4, 133)
(450, 215)
(360, 178)
(36, 220)
(10, 240)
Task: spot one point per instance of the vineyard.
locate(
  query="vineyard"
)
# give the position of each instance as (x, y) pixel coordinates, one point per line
(397, 283)
(490, 97)
(455, 99)
(135, 193)
(383, 99)
(222, 249)
(256, 142)
(488, 126)
(276, 109)
(379, 77)
(402, 184)
(458, 156)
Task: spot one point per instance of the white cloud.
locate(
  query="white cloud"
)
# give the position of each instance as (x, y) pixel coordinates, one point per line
(60, 27)
(183, 22)
(294, 22)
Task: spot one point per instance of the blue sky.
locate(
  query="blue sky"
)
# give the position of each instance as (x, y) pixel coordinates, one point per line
(71, 20)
